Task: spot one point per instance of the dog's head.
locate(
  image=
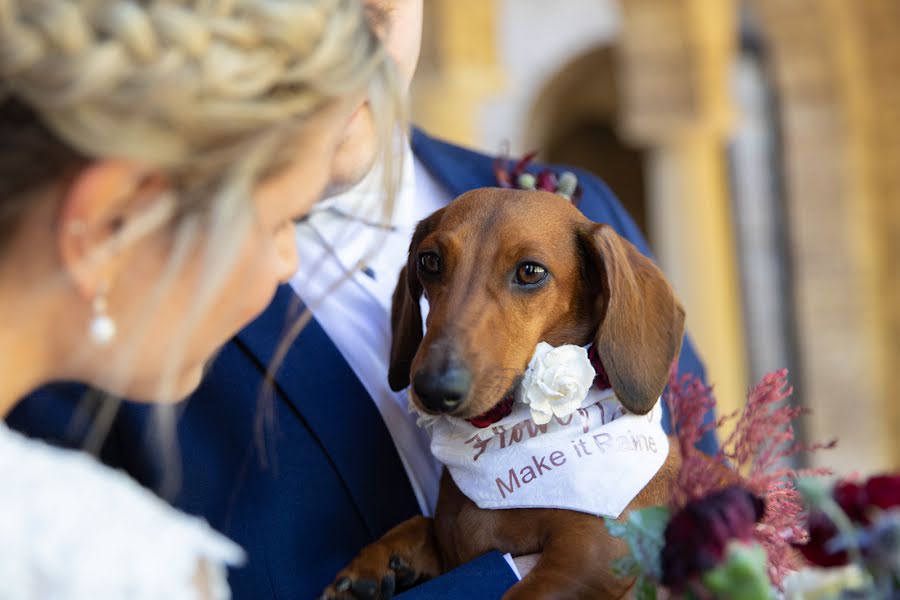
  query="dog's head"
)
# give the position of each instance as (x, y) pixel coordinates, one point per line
(505, 269)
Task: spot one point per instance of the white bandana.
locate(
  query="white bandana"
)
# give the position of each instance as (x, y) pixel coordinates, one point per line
(595, 460)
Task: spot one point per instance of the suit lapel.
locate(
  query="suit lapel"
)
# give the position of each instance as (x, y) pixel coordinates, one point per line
(461, 170)
(316, 381)
(457, 169)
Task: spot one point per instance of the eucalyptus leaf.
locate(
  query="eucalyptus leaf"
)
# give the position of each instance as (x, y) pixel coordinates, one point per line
(644, 589)
(643, 531)
(742, 576)
(813, 490)
(625, 566)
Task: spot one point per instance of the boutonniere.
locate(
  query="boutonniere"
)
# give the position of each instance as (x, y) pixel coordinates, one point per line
(516, 175)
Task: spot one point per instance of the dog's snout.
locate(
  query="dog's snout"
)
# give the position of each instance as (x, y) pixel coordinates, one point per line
(443, 390)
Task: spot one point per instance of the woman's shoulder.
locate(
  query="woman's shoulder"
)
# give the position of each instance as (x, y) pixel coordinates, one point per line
(72, 528)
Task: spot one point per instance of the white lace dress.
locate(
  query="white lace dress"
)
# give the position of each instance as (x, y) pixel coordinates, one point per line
(73, 529)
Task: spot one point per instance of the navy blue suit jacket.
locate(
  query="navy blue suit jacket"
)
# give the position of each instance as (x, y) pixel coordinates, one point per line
(306, 496)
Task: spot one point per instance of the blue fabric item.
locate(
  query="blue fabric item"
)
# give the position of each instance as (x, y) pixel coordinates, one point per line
(485, 578)
(323, 479)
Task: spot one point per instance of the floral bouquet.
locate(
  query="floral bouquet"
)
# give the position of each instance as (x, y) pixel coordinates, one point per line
(734, 523)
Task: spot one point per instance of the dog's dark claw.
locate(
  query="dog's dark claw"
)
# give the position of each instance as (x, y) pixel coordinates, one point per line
(343, 584)
(405, 577)
(388, 586)
(365, 589)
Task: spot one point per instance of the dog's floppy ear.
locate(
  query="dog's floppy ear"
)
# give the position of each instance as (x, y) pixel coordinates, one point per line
(406, 328)
(406, 316)
(642, 321)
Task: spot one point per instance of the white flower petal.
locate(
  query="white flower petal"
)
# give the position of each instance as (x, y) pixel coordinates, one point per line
(540, 418)
(564, 409)
(557, 381)
(548, 391)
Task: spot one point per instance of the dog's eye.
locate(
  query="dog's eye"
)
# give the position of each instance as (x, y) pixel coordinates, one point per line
(430, 262)
(530, 274)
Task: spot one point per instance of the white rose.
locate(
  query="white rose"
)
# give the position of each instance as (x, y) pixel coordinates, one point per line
(557, 381)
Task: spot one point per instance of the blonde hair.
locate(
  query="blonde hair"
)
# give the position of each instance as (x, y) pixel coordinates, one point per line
(177, 78)
(208, 90)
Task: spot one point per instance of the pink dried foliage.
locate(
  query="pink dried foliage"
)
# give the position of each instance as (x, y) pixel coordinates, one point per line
(754, 453)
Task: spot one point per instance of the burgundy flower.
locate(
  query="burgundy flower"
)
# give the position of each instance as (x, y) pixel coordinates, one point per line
(697, 536)
(601, 381)
(883, 491)
(858, 499)
(821, 531)
(546, 180)
(853, 500)
(500, 410)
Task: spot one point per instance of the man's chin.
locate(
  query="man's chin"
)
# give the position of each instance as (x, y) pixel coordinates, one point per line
(355, 156)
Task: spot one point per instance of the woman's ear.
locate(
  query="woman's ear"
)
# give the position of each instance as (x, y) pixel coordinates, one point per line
(102, 209)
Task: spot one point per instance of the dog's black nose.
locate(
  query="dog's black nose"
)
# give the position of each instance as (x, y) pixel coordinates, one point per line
(442, 391)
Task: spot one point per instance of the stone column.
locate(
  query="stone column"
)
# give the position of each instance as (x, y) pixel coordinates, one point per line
(830, 62)
(674, 62)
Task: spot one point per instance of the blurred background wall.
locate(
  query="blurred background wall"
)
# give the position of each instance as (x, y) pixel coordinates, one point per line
(756, 143)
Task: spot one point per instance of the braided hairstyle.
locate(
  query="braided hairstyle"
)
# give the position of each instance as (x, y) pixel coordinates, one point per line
(184, 85)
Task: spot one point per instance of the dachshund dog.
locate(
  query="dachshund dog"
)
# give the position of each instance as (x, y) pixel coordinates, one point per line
(503, 270)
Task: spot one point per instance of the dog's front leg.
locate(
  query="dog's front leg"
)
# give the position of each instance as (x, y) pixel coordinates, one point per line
(404, 556)
(575, 564)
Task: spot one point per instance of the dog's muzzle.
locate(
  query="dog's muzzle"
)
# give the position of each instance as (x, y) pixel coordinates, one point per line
(443, 390)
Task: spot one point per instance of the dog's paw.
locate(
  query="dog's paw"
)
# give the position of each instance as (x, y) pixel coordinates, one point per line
(373, 576)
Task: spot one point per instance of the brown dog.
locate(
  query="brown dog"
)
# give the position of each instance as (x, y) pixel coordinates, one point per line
(503, 270)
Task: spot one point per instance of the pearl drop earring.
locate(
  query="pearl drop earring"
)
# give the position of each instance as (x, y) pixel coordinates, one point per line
(103, 328)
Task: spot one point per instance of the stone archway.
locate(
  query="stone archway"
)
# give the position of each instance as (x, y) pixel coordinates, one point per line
(574, 122)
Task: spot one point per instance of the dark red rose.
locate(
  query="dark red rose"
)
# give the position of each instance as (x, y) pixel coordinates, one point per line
(500, 410)
(601, 381)
(821, 531)
(697, 535)
(853, 499)
(883, 491)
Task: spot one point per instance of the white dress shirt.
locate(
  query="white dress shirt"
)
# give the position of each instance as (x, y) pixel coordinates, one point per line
(353, 305)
